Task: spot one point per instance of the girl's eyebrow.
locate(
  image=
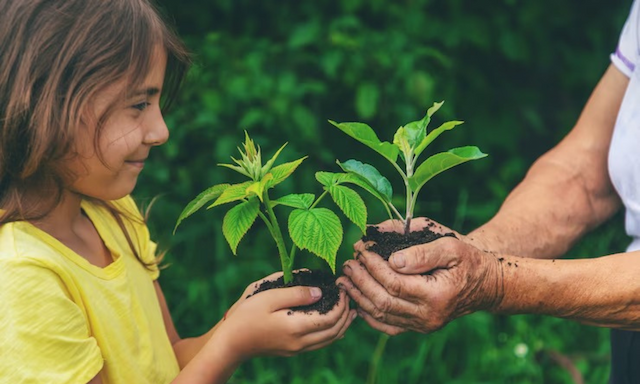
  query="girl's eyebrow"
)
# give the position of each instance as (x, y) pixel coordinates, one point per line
(146, 91)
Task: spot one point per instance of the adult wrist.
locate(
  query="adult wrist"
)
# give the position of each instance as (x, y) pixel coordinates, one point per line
(491, 288)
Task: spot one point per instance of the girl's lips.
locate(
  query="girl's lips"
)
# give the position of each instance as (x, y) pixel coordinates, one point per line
(136, 164)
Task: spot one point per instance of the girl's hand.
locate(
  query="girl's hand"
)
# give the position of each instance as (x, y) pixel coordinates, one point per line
(251, 288)
(264, 324)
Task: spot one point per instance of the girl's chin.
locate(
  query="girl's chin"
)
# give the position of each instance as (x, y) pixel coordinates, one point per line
(113, 191)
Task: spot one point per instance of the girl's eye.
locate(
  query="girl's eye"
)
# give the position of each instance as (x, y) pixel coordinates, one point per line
(141, 106)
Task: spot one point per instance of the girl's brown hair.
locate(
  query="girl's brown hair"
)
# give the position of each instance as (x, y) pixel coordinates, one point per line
(55, 56)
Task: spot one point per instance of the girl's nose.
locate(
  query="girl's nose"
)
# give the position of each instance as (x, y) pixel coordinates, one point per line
(157, 132)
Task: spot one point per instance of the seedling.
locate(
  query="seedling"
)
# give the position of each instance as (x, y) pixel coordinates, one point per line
(315, 229)
(409, 142)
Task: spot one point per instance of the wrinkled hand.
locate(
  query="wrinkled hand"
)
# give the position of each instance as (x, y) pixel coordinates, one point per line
(424, 287)
(264, 324)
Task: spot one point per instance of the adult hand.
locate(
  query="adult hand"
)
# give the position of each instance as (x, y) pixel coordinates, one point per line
(264, 324)
(424, 287)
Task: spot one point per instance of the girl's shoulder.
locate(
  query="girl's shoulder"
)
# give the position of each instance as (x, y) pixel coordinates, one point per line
(22, 240)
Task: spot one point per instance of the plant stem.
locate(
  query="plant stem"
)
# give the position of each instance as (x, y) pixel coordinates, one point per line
(267, 222)
(292, 254)
(377, 357)
(277, 236)
(404, 176)
(407, 217)
(409, 207)
(318, 199)
(395, 210)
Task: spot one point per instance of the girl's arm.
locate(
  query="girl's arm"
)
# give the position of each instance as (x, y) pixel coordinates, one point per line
(185, 349)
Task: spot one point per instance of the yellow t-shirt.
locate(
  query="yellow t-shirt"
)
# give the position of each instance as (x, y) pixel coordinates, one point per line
(63, 319)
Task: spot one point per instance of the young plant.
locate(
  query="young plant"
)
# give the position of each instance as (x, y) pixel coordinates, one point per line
(315, 229)
(408, 144)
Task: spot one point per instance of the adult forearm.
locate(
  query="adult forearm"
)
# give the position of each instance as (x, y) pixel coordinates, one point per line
(543, 217)
(602, 291)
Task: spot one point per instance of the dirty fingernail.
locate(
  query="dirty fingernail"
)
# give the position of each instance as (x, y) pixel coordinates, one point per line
(398, 260)
(315, 292)
(346, 269)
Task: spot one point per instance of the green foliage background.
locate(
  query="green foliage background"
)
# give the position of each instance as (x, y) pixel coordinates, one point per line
(518, 72)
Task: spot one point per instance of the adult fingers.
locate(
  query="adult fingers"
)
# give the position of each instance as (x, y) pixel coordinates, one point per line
(391, 330)
(379, 307)
(439, 254)
(383, 286)
(385, 226)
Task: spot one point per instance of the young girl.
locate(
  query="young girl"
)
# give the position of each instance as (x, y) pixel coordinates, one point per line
(80, 89)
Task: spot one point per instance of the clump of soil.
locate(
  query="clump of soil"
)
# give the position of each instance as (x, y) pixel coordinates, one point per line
(312, 278)
(386, 243)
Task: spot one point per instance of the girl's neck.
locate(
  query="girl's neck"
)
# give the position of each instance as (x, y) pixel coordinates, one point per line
(75, 230)
(62, 220)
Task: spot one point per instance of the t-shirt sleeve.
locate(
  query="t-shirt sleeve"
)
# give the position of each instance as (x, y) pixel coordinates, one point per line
(627, 54)
(44, 336)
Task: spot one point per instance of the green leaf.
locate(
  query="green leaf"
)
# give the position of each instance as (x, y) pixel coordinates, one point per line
(364, 134)
(369, 173)
(352, 178)
(236, 168)
(300, 201)
(434, 108)
(415, 132)
(267, 167)
(440, 162)
(258, 187)
(400, 140)
(282, 171)
(238, 220)
(203, 198)
(435, 133)
(327, 178)
(351, 205)
(233, 193)
(317, 230)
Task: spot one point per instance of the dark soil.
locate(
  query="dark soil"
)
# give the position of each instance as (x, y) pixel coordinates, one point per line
(313, 278)
(386, 243)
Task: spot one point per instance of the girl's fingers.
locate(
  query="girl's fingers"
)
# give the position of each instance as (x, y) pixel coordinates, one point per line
(284, 298)
(325, 338)
(251, 288)
(309, 323)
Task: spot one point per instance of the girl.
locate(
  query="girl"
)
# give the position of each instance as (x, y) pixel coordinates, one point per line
(80, 89)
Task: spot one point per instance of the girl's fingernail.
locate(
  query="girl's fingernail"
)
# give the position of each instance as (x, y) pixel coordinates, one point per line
(315, 292)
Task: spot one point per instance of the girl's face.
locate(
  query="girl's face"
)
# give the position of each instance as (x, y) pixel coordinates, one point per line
(134, 126)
